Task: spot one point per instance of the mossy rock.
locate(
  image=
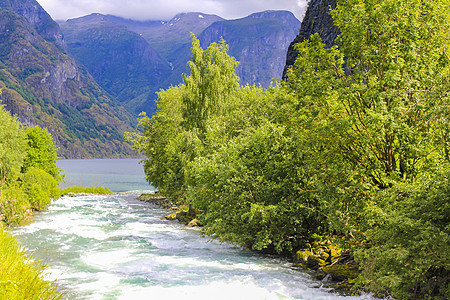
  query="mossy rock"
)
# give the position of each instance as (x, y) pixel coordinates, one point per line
(171, 217)
(194, 223)
(308, 259)
(183, 216)
(342, 272)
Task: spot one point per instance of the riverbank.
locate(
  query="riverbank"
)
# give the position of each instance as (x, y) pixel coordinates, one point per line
(326, 262)
(117, 247)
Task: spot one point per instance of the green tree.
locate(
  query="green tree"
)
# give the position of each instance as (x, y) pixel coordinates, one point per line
(175, 135)
(40, 187)
(373, 113)
(373, 106)
(42, 152)
(12, 148)
(210, 84)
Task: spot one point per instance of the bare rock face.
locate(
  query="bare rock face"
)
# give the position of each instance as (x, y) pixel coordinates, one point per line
(317, 20)
(258, 42)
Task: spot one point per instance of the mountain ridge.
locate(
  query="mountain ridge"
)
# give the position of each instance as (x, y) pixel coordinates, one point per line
(43, 85)
(259, 41)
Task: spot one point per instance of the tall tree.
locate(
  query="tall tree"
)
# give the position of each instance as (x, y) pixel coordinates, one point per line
(212, 81)
(12, 147)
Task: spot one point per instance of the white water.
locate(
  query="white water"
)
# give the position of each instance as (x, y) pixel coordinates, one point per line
(116, 247)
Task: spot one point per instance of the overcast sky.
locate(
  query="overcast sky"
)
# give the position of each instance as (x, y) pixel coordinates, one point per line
(166, 9)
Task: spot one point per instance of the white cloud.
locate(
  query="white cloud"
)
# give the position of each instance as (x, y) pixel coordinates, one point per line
(166, 9)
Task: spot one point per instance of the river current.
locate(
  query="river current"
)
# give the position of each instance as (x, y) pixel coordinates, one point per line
(117, 247)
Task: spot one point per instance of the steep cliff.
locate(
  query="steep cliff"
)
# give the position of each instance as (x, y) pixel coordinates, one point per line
(44, 86)
(120, 60)
(317, 20)
(172, 38)
(258, 42)
(38, 18)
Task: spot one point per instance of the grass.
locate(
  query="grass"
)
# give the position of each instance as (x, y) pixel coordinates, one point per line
(20, 276)
(86, 190)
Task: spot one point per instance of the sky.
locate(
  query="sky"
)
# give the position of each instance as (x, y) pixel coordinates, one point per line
(166, 9)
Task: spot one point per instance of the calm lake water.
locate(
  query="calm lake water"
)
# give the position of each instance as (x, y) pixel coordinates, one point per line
(119, 175)
(116, 247)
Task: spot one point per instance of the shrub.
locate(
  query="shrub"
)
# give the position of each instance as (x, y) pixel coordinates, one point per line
(410, 253)
(14, 205)
(40, 188)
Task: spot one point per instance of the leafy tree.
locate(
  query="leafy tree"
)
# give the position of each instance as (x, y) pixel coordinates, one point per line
(374, 113)
(40, 188)
(42, 152)
(410, 253)
(372, 106)
(175, 135)
(212, 81)
(12, 148)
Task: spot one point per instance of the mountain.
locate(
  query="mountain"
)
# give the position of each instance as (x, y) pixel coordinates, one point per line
(133, 59)
(171, 39)
(37, 17)
(258, 42)
(317, 20)
(43, 85)
(120, 60)
(167, 37)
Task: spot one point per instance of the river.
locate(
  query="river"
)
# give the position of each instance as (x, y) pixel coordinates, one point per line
(116, 247)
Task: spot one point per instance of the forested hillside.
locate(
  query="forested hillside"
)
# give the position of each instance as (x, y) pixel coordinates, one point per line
(43, 85)
(120, 60)
(351, 150)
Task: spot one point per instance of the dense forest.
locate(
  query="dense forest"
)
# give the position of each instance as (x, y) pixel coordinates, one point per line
(353, 148)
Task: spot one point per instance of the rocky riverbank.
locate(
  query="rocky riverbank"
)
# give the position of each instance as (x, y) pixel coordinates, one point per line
(186, 215)
(326, 262)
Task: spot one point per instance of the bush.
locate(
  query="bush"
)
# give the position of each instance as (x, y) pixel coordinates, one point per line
(14, 205)
(410, 253)
(253, 192)
(40, 188)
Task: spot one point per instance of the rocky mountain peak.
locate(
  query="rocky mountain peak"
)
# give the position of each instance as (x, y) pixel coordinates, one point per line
(37, 17)
(317, 19)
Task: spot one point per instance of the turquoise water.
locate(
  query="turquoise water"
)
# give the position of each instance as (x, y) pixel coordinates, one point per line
(119, 175)
(116, 247)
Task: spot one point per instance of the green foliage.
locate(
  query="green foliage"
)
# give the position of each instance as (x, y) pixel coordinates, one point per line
(14, 205)
(40, 188)
(20, 276)
(12, 148)
(212, 81)
(26, 159)
(42, 152)
(350, 147)
(252, 191)
(163, 166)
(88, 190)
(410, 253)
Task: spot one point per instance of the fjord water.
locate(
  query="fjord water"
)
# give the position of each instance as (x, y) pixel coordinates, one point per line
(116, 247)
(119, 175)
